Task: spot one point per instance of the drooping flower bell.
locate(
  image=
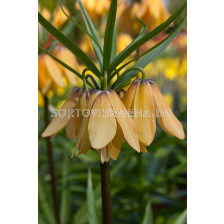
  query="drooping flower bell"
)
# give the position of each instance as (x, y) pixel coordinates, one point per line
(146, 102)
(105, 128)
(66, 116)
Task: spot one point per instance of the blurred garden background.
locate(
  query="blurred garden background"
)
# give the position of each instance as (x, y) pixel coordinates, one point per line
(147, 188)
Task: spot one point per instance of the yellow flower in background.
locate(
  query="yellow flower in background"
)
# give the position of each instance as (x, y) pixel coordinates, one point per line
(123, 40)
(169, 99)
(95, 8)
(86, 45)
(144, 97)
(67, 57)
(52, 76)
(59, 17)
(49, 74)
(153, 12)
(40, 99)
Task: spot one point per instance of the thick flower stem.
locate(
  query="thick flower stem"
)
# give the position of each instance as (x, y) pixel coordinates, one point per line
(51, 165)
(106, 193)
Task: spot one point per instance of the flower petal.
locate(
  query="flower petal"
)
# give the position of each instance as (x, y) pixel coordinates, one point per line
(128, 97)
(168, 122)
(144, 113)
(143, 148)
(59, 122)
(54, 70)
(102, 128)
(86, 118)
(66, 56)
(127, 124)
(114, 146)
(71, 128)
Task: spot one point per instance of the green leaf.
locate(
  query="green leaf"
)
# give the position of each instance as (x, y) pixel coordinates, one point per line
(182, 219)
(65, 193)
(148, 217)
(66, 30)
(132, 47)
(108, 38)
(114, 44)
(44, 202)
(98, 49)
(91, 201)
(61, 62)
(149, 55)
(69, 44)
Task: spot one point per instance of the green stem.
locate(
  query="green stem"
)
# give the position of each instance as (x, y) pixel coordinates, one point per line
(93, 80)
(105, 81)
(51, 165)
(126, 72)
(106, 193)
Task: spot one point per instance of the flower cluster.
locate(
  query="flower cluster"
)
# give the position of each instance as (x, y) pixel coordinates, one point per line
(106, 134)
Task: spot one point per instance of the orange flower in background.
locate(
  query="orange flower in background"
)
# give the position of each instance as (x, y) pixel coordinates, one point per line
(144, 97)
(52, 75)
(49, 74)
(95, 8)
(123, 40)
(153, 12)
(66, 56)
(59, 17)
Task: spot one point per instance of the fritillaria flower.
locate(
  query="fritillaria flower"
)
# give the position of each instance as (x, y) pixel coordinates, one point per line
(145, 100)
(104, 129)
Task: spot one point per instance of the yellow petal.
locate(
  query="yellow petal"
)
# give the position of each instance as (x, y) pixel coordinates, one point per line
(71, 128)
(102, 127)
(127, 124)
(168, 122)
(54, 70)
(86, 118)
(143, 148)
(66, 56)
(144, 113)
(59, 122)
(130, 94)
(85, 143)
(104, 155)
(114, 146)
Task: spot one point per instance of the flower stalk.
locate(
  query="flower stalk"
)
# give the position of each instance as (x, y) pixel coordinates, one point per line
(106, 192)
(51, 165)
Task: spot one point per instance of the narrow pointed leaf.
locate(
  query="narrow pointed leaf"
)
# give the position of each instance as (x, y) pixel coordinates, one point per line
(98, 49)
(132, 47)
(69, 44)
(66, 30)
(91, 201)
(108, 38)
(44, 202)
(182, 219)
(148, 217)
(114, 44)
(65, 193)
